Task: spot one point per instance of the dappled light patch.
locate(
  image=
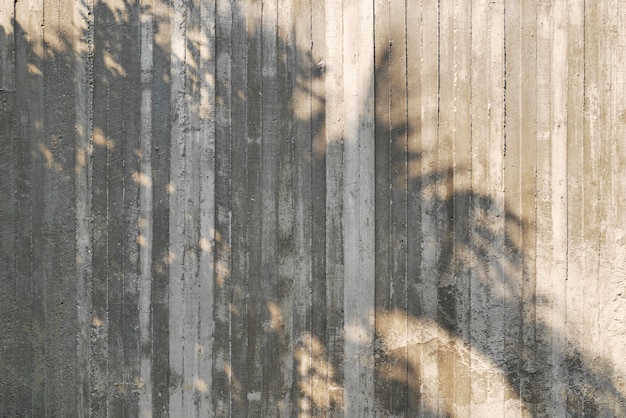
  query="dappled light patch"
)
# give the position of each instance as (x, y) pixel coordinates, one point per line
(205, 245)
(235, 384)
(318, 388)
(170, 257)
(82, 154)
(113, 65)
(97, 322)
(408, 342)
(201, 385)
(100, 139)
(276, 316)
(34, 70)
(50, 161)
(142, 240)
(222, 272)
(142, 179)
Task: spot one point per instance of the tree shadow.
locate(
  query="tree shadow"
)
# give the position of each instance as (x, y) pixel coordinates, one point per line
(265, 351)
(476, 263)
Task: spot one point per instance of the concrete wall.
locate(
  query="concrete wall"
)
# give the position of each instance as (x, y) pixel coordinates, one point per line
(304, 208)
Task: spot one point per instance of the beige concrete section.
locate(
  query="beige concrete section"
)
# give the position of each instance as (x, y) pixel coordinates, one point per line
(398, 333)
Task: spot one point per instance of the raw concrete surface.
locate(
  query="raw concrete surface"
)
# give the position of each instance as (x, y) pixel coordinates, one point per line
(312, 208)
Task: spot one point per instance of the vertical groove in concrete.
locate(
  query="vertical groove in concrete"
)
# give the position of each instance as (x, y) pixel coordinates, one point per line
(333, 113)
(461, 204)
(181, 209)
(528, 147)
(254, 208)
(9, 309)
(270, 308)
(317, 76)
(358, 209)
(36, 120)
(206, 78)
(382, 168)
(222, 236)
(414, 206)
(83, 23)
(399, 186)
(496, 262)
(478, 222)
(610, 315)
(363, 311)
(618, 175)
(430, 175)
(10, 288)
(592, 145)
(195, 166)
(285, 200)
(302, 205)
(601, 152)
(99, 311)
(356, 331)
(145, 222)
(239, 204)
(559, 181)
(162, 184)
(444, 196)
(130, 337)
(513, 220)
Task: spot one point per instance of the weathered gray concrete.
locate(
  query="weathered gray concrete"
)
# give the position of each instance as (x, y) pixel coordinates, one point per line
(312, 208)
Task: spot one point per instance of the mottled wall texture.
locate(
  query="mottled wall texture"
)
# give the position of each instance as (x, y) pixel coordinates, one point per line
(298, 208)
